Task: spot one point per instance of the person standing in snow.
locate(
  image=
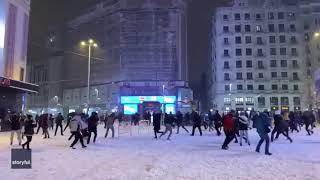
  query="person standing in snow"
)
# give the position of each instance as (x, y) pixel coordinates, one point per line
(217, 119)
(228, 128)
(75, 128)
(168, 121)
(243, 128)
(110, 124)
(45, 125)
(293, 123)
(263, 124)
(308, 119)
(179, 122)
(157, 124)
(15, 128)
(196, 123)
(92, 126)
(59, 120)
(281, 127)
(29, 126)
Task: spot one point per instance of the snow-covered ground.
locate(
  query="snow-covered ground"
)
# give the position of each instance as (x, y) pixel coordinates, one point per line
(140, 157)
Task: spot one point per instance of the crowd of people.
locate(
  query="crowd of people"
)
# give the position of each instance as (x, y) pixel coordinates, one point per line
(235, 125)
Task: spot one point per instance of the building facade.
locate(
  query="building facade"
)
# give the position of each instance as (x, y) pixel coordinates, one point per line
(259, 56)
(142, 52)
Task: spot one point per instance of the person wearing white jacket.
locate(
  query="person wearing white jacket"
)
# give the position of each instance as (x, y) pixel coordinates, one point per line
(243, 128)
(75, 127)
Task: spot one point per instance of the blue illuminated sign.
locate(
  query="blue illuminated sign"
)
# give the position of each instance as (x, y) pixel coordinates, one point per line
(130, 109)
(170, 108)
(141, 99)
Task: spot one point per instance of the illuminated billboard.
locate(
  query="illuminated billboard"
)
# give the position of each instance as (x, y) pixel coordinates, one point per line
(141, 99)
(129, 109)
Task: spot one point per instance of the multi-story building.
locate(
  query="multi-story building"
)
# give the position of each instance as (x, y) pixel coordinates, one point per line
(14, 21)
(259, 56)
(141, 57)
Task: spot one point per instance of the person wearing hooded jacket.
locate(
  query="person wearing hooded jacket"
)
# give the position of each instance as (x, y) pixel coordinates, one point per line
(92, 126)
(263, 124)
(157, 124)
(229, 129)
(29, 126)
(75, 127)
(243, 127)
(308, 119)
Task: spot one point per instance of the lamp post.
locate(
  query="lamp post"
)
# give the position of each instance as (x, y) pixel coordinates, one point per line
(90, 44)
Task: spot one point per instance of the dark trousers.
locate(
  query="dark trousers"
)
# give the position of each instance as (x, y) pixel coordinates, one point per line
(276, 130)
(29, 139)
(156, 131)
(194, 128)
(229, 137)
(263, 137)
(38, 128)
(217, 128)
(46, 132)
(76, 139)
(308, 130)
(57, 126)
(94, 131)
(182, 127)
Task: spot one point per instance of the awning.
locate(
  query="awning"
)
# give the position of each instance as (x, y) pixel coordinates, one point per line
(19, 86)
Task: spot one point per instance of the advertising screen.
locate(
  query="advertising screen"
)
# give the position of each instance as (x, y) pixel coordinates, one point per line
(141, 99)
(170, 108)
(129, 109)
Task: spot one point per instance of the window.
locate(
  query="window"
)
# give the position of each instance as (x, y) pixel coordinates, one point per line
(247, 28)
(284, 87)
(272, 39)
(226, 88)
(274, 101)
(273, 51)
(295, 76)
(226, 65)
(227, 100)
(226, 41)
(248, 52)
(258, 28)
(239, 64)
(296, 101)
(292, 16)
(284, 74)
(282, 39)
(258, 17)
(261, 101)
(21, 74)
(294, 52)
(296, 87)
(237, 16)
(238, 40)
(239, 87)
(249, 76)
(226, 52)
(280, 15)
(248, 40)
(295, 64)
(239, 76)
(270, 15)
(260, 52)
(226, 76)
(225, 17)
(292, 28)
(281, 27)
(237, 28)
(260, 64)
(261, 87)
(259, 40)
(250, 87)
(247, 16)
(273, 63)
(239, 100)
(283, 51)
(225, 29)
(271, 28)
(284, 101)
(249, 64)
(238, 52)
(274, 74)
(260, 75)
(293, 40)
(249, 100)
(274, 87)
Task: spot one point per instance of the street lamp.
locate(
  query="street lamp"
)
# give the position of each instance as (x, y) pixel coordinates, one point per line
(317, 34)
(90, 44)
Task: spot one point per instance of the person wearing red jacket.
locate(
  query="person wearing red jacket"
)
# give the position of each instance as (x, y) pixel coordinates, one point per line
(229, 129)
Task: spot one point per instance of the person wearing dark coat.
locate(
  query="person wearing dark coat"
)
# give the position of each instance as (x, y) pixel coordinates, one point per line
(217, 119)
(29, 126)
(263, 124)
(280, 127)
(179, 122)
(308, 119)
(93, 121)
(293, 122)
(39, 123)
(15, 128)
(243, 128)
(196, 123)
(59, 120)
(228, 128)
(168, 122)
(157, 124)
(187, 118)
(45, 125)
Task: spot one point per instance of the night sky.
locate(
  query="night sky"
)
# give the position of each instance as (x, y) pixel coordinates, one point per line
(45, 13)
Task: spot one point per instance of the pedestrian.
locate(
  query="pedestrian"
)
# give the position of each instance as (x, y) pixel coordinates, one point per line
(179, 122)
(293, 123)
(22, 119)
(187, 118)
(263, 124)
(308, 119)
(228, 128)
(168, 122)
(217, 119)
(15, 128)
(39, 123)
(281, 127)
(29, 126)
(45, 125)
(157, 124)
(196, 123)
(110, 124)
(243, 128)
(210, 121)
(59, 120)
(92, 126)
(75, 129)
(236, 127)
(51, 122)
